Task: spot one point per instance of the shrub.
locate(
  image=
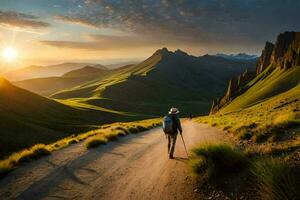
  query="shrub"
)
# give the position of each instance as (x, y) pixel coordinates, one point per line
(133, 129)
(73, 141)
(218, 160)
(33, 153)
(111, 136)
(95, 142)
(141, 128)
(119, 128)
(277, 179)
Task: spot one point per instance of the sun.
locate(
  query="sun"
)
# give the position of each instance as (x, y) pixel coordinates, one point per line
(9, 54)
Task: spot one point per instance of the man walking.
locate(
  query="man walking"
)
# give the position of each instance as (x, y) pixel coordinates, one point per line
(171, 126)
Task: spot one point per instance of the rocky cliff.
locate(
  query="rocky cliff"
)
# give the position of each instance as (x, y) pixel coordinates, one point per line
(265, 58)
(284, 54)
(235, 87)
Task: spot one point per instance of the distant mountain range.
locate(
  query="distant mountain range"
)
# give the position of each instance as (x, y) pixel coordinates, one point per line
(239, 56)
(163, 80)
(50, 85)
(45, 71)
(87, 96)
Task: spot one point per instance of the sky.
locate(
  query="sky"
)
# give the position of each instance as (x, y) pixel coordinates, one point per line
(111, 31)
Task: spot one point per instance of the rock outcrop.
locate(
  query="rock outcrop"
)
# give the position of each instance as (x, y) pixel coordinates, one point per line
(235, 87)
(284, 54)
(265, 58)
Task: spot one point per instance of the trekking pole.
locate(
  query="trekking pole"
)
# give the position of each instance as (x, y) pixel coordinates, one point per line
(184, 146)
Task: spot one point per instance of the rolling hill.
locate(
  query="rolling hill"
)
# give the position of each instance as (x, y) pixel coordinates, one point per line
(27, 118)
(45, 71)
(50, 85)
(163, 80)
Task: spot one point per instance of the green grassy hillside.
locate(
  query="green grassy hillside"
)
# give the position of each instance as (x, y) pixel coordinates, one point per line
(27, 119)
(264, 117)
(163, 80)
(51, 85)
(264, 87)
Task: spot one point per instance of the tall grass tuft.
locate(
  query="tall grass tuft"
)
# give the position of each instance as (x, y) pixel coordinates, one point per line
(277, 180)
(286, 120)
(218, 160)
(95, 141)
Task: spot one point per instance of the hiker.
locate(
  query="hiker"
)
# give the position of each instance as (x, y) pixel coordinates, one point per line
(171, 126)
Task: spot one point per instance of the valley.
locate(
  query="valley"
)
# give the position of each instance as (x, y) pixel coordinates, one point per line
(257, 117)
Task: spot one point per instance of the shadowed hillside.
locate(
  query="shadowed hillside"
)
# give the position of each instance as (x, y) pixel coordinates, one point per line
(28, 119)
(163, 80)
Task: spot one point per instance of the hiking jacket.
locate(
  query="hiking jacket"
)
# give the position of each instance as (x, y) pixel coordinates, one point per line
(176, 123)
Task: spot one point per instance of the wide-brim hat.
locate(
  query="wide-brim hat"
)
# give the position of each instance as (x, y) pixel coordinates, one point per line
(173, 111)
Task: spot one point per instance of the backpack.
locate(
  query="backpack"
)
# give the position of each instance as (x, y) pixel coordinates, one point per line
(168, 124)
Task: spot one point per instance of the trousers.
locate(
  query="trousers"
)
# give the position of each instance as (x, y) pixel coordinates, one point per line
(171, 143)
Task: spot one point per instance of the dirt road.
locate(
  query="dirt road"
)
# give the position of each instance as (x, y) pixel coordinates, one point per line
(134, 167)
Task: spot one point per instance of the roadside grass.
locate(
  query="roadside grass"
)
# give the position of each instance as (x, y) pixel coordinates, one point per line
(33, 153)
(277, 179)
(268, 178)
(93, 139)
(256, 125)
(218, 161)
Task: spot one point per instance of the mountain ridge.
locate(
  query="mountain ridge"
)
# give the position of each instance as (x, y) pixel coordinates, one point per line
(175, 76)
(274, 64)
(238, 56)
(35, 71)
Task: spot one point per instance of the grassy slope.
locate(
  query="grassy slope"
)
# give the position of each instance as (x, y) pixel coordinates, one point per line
(51, 85)
(265, 87)
(266, 119)
(153, 86)
(268, 111)
(33, 119)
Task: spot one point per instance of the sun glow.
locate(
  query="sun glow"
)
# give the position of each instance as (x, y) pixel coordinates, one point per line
(9, 54)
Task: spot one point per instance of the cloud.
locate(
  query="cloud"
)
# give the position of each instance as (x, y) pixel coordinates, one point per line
(202, 21)
(21, 20)
(106, 42)
(74, 20)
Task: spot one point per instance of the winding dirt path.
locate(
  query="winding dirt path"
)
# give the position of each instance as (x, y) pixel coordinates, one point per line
(134, 167)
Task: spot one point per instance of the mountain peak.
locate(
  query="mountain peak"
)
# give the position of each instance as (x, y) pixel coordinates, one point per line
(165, 51)
(162, 51)
(180, 52)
